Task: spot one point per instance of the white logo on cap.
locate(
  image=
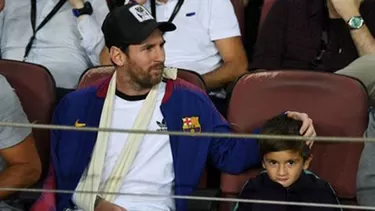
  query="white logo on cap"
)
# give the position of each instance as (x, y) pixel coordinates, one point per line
(140, 13)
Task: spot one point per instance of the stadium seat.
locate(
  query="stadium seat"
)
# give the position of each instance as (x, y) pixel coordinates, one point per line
(192, 77)
(337, 104)
(35, 88)
(93, 75)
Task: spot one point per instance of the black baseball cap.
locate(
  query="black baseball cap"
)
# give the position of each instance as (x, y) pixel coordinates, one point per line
(131, 24)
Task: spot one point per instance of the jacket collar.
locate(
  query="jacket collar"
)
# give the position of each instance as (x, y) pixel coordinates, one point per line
(103, 87)
(104, 84)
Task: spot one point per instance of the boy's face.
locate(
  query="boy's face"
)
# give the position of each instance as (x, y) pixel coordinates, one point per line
(285, 167)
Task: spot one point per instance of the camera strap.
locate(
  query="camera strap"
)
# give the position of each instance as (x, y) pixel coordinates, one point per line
(43, 23)
(174, 13)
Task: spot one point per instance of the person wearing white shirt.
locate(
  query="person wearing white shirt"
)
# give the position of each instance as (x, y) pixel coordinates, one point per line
(66, 45)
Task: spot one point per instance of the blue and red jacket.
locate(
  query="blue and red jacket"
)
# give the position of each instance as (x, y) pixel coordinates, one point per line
(71, 150)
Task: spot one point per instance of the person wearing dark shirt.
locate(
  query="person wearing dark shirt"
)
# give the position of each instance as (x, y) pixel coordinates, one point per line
(322, 35)
(286, 177)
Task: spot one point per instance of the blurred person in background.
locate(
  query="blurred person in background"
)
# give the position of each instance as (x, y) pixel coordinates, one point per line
(322, 35)
(20, 165)
(62, 35)
(363, 69)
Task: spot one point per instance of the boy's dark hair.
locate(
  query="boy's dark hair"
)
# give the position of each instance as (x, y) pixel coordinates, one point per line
(282, 125)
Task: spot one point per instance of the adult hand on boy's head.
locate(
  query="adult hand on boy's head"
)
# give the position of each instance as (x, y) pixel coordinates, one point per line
(2, 4)
(307, 128)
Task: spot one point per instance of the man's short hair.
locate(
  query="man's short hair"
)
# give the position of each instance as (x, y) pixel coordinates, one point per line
(282, 125)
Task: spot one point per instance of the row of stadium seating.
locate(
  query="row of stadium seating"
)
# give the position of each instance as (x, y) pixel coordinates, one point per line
(337, 104)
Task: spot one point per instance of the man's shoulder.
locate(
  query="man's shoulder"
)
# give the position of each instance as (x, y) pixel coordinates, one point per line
(184, 90)
(2, 78)
(317, 184)
(78, 99)
(257, 182)
(9, 98)
(180, 85)
(81, 95)
(11, 111)
(258, 186)
(76, 105)
(7, 93)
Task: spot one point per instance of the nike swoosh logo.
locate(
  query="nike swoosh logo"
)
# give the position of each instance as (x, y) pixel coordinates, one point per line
(78, 124)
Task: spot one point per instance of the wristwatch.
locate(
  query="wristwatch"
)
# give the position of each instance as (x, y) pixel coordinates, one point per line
(86, 10)
(355, 22)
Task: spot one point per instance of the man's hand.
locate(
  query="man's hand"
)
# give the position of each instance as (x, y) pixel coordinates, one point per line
(307, 128)
(346, 8)
(2, 4)
(77, 4)
(108, 206)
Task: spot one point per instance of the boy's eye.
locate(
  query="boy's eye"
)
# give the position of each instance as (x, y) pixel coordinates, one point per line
(291, 162)
(272, 162)
(148, 47)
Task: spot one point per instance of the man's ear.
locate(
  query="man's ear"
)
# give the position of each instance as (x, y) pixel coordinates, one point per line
(264, 166)
(117, 56)
(306, 165)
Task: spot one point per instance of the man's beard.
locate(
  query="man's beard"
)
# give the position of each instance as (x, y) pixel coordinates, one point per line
(149, 79)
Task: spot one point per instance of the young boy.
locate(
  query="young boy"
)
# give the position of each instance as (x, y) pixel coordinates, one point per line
(286, 177)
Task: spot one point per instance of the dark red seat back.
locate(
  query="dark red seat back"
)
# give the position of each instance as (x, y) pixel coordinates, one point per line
(337, 104)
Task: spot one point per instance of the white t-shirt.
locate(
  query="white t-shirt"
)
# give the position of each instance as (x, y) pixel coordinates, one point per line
(199, 23)
(152, 171)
